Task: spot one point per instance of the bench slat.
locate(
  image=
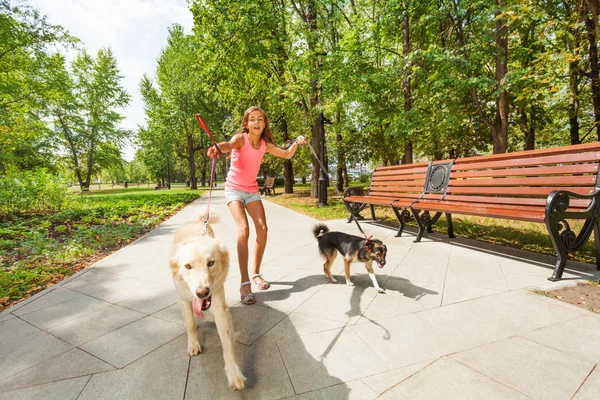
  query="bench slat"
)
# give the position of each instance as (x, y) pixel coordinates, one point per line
(588, 180)
(537, 171)
(515, 191)
(462, 164)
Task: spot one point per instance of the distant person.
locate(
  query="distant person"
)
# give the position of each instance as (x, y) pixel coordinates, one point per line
(247, 147)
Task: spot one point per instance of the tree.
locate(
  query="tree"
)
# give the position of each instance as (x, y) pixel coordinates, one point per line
(85, 112)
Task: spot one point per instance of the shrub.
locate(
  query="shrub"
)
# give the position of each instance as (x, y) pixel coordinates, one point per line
(31, 193)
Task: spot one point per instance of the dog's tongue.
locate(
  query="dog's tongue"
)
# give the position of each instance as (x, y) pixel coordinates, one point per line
(197, 306)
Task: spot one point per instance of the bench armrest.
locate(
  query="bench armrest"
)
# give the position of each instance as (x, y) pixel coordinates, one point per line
(558, 203)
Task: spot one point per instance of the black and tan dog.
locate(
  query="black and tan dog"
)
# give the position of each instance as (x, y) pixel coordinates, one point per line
(353, 248)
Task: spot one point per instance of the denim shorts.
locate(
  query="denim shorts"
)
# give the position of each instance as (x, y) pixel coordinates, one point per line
(244, 197)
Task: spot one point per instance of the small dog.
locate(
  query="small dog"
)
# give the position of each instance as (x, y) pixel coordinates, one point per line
(353, 248)
(199, 264)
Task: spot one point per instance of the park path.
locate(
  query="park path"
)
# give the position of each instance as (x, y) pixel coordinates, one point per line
(459, 320)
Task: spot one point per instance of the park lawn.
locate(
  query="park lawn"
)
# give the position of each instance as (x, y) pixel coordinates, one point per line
(514, 234)
(38, 251)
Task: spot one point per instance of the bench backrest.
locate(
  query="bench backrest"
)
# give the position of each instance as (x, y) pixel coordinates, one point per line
(525, 177)
(399, 181)
(269, 182)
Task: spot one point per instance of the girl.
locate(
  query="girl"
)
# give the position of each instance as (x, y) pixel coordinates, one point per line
(247, 147)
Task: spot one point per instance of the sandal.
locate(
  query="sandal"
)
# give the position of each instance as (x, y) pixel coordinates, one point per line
(263, 285)
(248, 298)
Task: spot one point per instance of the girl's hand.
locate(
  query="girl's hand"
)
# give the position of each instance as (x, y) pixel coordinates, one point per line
(301, 140)
(212, 152)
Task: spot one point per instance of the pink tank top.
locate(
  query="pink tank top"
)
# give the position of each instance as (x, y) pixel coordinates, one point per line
(245, 163)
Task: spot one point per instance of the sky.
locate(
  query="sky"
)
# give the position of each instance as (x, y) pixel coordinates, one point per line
(135, 30)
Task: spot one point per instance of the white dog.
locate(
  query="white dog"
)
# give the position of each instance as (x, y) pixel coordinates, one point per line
(199, 263)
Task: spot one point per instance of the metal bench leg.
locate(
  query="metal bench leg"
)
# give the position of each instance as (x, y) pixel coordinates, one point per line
(450, 227)
(419, 223)
(373, 212)
(561, 252)
(400, 221)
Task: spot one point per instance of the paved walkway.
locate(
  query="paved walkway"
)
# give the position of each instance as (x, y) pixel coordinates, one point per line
(459, 320)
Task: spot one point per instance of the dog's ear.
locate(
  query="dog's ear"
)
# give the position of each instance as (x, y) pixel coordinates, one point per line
(224, 255)
(174, 258)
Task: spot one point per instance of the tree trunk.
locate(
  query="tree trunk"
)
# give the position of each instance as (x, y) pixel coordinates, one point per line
(574, 103)
(288, 171)
(526, 126)
(500, 126)
(590, 17)
(408, 148)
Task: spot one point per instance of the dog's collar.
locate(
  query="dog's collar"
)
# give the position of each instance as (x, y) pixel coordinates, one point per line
(367, 240)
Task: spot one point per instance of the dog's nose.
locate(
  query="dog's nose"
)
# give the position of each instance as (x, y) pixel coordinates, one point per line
(203, 292)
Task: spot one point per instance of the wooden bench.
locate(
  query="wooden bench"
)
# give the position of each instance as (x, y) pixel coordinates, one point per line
(268, 187)
(398, 184)
(548, 186)
(162, 186)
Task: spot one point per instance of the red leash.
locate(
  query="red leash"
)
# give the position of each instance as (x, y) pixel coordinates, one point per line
(213, 168)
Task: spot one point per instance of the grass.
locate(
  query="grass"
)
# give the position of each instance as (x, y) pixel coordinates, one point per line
(514, 234)
(37, 252)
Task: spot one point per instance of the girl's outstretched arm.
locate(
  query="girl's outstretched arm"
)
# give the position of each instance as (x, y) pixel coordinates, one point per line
(236, 142)
(287, 154)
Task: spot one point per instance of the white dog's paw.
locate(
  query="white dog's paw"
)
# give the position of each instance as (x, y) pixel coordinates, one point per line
(380, 290)
(236, 379)
(349, 283)
(194, 347)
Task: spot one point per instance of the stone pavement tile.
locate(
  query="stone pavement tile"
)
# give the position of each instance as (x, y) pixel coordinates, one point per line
(63, 390)
(23, 346)
(555, 302)
(379, 383)
(523, 266)
(340, 307)
(70, 364)
(133, 341)
(304, 278)
(91, 281)
(406, 340)
(456, 294)
(448, 379)
(567, 337)
(296, 258)
(495, 317)
(590, 388)
(152, 301)
(362, 282)
(482, 273)
(414, 291)
(518, 281)
(261, 364)
(286, 299)
(328, 358)
(93, 325)
(62, 312)
(155, 272)
(6, 316)
(250, 322)
(51, 298)
(298, 324)
(384, 307)
(147, 249)
(533, 369)
(161, 374)
(354, 390)
(422, 268)
(120, 288)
